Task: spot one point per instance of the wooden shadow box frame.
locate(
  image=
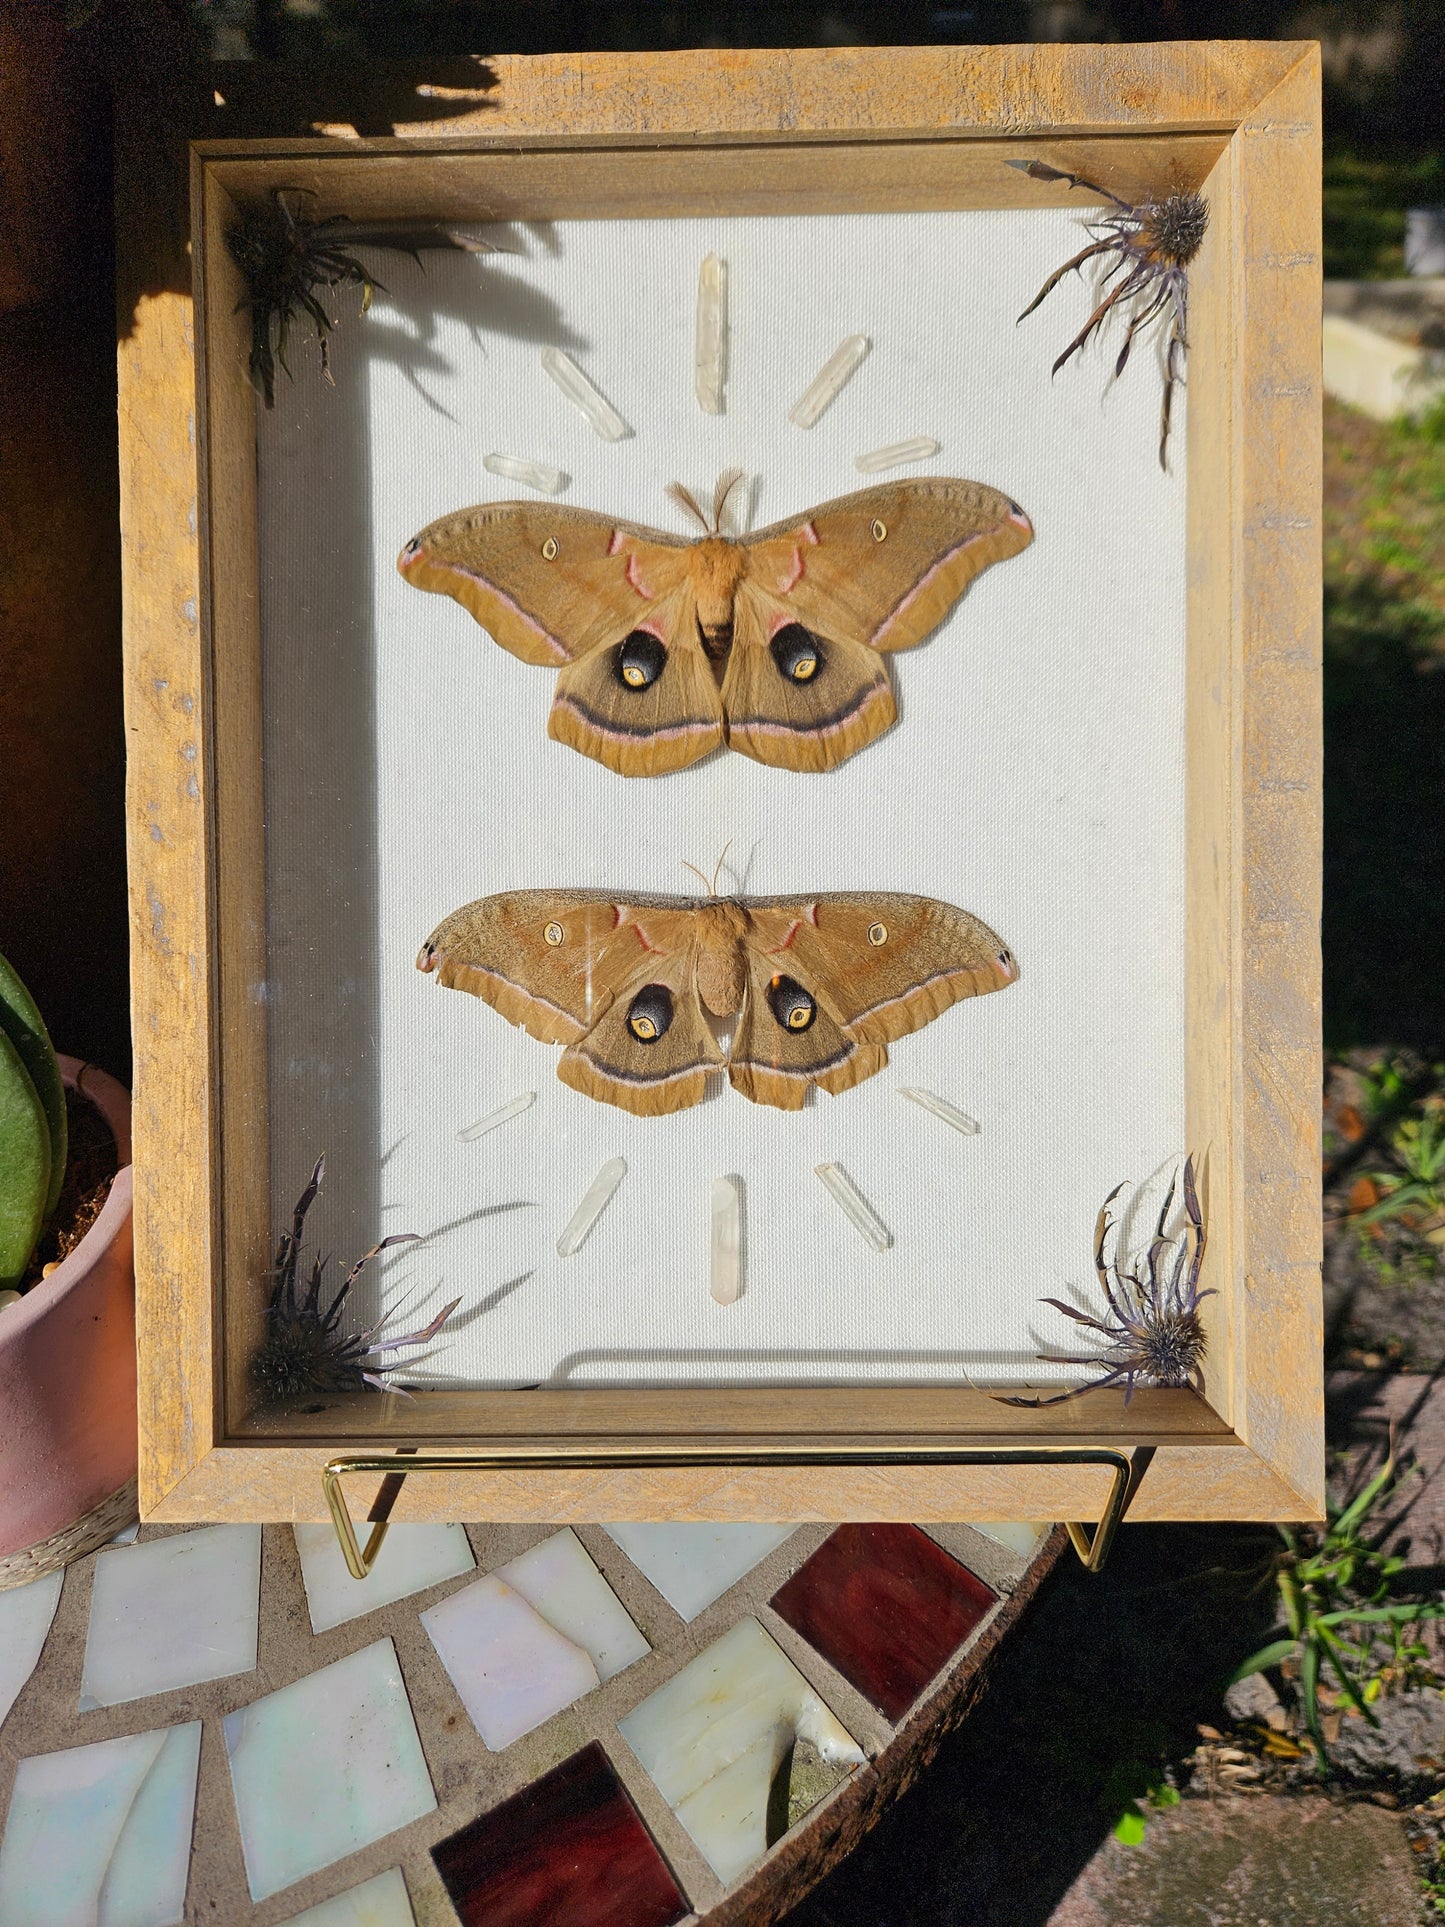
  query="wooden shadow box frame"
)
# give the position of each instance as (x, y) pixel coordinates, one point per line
(657, 135)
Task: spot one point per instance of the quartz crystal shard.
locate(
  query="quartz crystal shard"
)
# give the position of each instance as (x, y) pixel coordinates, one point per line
(830, 379)
(855, 1206)
(593, 1204)
(940, 1107)
(494, 1119)
(917, 449)
(603, 417)
(712, 334)
(727, 1240)
(516, 468)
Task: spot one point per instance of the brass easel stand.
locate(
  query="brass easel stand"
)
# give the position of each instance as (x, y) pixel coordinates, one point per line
(396, 1467)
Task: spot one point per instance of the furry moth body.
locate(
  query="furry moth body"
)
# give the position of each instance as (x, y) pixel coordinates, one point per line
(816, 987)
(773, 643)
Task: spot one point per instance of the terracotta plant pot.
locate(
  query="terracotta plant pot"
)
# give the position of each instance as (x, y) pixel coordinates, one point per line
(67, 1381)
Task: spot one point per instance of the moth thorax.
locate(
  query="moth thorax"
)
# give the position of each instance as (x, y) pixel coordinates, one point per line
(721, 971)
(716, 567)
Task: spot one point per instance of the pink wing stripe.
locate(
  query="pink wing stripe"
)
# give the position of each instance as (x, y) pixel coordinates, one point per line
(918, 588)
(455, 568)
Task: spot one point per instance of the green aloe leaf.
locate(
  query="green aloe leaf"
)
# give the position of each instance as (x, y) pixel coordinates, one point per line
(25, 1163)
(23, 1025)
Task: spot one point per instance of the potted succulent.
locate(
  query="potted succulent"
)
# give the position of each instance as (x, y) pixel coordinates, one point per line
(67, 1300)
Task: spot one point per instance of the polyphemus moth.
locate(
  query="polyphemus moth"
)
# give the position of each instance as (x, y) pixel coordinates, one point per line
(774, 643)
(815, 987)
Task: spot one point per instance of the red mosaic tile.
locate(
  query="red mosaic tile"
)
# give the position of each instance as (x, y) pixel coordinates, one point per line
(887, 1606)
(569, 1850)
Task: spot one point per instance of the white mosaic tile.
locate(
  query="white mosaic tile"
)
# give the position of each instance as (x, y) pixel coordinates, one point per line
(560, 1580)
(171, 1613)
(325, 1766)
(713, 1737)
(381, 1902)
(1019, 1535)
(511, 1669)
(692, 1565)
(25, 1616)
(413, 1557)
(100, 1835)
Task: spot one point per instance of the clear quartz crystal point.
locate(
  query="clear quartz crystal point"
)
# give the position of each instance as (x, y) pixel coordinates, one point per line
(727, 1240)
(917, 449)
(495, 1118)
(533, 474)
(711, 352)
(830, 379)
(855, 1206)
(593, 1204)
(940, 1107)
(581, 393)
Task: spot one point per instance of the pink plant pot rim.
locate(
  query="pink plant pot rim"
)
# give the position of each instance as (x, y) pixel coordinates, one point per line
(67, 1361)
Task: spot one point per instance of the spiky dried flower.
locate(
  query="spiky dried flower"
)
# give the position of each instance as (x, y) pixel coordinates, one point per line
(1154, 1330)
(287, 257)
(1152, 245)
(304, 1350)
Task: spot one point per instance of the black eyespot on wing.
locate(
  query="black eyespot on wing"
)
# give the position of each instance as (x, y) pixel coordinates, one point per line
(791, 1004)
(639, 661)
(649, 1015)
(797, 652)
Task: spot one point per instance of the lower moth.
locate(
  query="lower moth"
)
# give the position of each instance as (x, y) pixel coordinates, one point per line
(774, 643)
(815, 987)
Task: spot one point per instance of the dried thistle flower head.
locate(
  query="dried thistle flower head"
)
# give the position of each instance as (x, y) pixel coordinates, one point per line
(286, 257)
(1153, 1329)
(305, 1351)
(1150, 246)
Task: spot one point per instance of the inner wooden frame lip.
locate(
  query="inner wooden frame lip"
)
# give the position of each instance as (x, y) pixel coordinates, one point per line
(1172, 1421)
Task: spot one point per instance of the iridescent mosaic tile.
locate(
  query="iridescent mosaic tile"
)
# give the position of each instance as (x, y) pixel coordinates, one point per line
(415, 1557)
(324, 1767)
(171, 1613)
(25, 1616)
(716, 1736)
(532, 1637)
(381, 1902)
(100, 1835)
(569, 1851)
(887, 1606)
(1019, 1535)
(692, 1565)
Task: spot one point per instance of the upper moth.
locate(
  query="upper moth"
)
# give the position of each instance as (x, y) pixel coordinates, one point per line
(774, 643)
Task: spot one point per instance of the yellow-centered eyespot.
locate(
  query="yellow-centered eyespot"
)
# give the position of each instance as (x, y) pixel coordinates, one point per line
(634, 675)
(800, 1016)
(642, 1027)
(878, 933)
(554, 933)
(549, 549)
(880, 529)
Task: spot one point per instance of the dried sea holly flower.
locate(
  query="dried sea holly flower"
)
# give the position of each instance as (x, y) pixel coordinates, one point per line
(1151, 245)
(304, 1350)
(286, 258)
(1153, 1329)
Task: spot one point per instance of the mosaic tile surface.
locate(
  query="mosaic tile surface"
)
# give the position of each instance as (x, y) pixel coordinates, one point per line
(172, 1613)
(325, 1766)
(692, 1565)
(100, 1835)
(335, 1779)
(714, 1737)
(569, 1850)
(530, 1638)
(25, 1616)
(888, 1607)
(381, 1902)
(417, 1557)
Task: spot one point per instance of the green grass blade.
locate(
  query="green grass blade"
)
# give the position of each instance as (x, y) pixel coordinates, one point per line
(1267, 1656)
(22, 1023)
(24, 1164)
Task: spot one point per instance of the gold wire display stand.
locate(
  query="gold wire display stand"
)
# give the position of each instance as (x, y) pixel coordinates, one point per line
(396, 1467)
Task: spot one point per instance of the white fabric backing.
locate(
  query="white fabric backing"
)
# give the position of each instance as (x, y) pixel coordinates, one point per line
(1035, 777)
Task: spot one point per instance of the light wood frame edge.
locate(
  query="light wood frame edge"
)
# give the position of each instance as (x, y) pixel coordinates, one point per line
(1264, 194)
